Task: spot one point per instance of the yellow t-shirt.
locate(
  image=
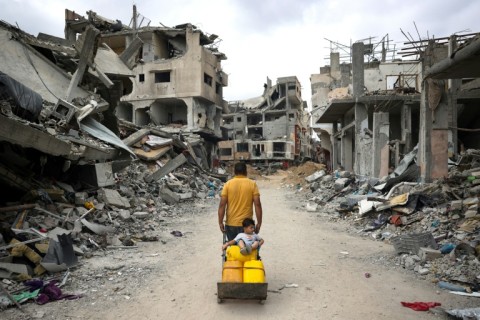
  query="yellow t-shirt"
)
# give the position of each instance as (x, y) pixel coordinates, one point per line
(239, 192)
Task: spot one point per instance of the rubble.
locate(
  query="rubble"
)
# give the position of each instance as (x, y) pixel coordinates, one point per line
(80, 183)
(76, 181)
(434, 228)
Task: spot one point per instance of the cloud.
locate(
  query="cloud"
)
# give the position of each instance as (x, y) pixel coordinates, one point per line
(268, 38)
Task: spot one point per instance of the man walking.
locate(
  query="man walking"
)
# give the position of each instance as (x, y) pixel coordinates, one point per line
(238, 197)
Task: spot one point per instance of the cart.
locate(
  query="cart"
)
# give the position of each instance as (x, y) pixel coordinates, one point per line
(241, 291)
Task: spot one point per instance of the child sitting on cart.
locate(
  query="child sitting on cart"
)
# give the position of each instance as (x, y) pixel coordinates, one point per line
(248, 240)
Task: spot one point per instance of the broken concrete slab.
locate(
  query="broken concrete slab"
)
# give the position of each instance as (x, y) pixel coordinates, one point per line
(340, 183)
(113, 198)
(411, 243)
(152, 154)
(141, 214)
(185, 195)
(167, 168)
(470, 201)
(124, 214)
(169, 196)
(156, 142)
(456, 204)
(97, 228)
(80, 198)
(314, 177)
(30, 137)
(54, 233)
(16, 52)
(110, 63)
(98, 174)
(60, 255)
(128, 56)
(13, 268)
(87, 47)
(470, 213)
(428, 254)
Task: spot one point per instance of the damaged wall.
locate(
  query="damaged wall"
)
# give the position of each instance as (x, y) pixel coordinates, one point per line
(166, 111)
(372, 86)
(272, 126)
(385, 75)
(33, 70)
(330, 78)
(276, 126)
(179, 87)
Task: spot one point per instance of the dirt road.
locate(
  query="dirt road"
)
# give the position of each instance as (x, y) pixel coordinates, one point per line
(327, 264)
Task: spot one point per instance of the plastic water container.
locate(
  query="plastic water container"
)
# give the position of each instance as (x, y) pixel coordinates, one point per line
(233, 254)
(232, 271)
(253, 272)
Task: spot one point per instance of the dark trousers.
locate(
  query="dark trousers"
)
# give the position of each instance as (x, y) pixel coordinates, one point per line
(232, 232)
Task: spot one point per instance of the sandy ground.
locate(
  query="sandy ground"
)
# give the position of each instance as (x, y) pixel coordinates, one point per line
(301, 248)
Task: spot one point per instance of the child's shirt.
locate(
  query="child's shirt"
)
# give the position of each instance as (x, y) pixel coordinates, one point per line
(249, 239)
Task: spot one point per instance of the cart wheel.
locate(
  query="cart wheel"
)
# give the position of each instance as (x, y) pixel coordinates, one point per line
(219, 300)
(262, 302)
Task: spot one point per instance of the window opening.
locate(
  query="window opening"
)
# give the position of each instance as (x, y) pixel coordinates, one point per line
(162, 77)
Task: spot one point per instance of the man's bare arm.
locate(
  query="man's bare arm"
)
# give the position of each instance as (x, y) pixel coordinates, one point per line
(258, 212)
(221, 213)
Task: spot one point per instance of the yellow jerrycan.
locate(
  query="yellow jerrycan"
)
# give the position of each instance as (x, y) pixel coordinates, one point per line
(253, 272)
(232, 271)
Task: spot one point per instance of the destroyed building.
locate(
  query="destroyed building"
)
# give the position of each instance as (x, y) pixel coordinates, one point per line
(271, 127)
(380, 107)
(63, 99)
(178, 78)
(64, 152)
(51, 117)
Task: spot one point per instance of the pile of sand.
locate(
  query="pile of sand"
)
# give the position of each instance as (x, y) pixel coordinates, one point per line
(297, 175)
(293, 175)
(252, 173)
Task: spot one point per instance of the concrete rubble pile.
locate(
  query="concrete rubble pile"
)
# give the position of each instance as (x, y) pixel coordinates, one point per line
(74, 178)
(57, 223)
(434, 227)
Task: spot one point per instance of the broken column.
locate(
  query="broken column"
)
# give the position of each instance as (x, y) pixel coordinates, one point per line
(453, 88)
(347, 150)
(433, 138)
(406, 127)
(361, 114)
(381, 130)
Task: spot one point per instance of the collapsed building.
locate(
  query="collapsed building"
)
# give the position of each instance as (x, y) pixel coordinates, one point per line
(381, 107)
(51, 120)
(67, 102)
(178, 78)
(271, 127)
(75, 112)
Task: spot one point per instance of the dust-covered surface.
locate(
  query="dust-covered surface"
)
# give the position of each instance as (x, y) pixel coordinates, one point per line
(296, 175)
(316, 267)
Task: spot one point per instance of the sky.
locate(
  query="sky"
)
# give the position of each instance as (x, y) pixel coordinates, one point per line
(268, 38)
